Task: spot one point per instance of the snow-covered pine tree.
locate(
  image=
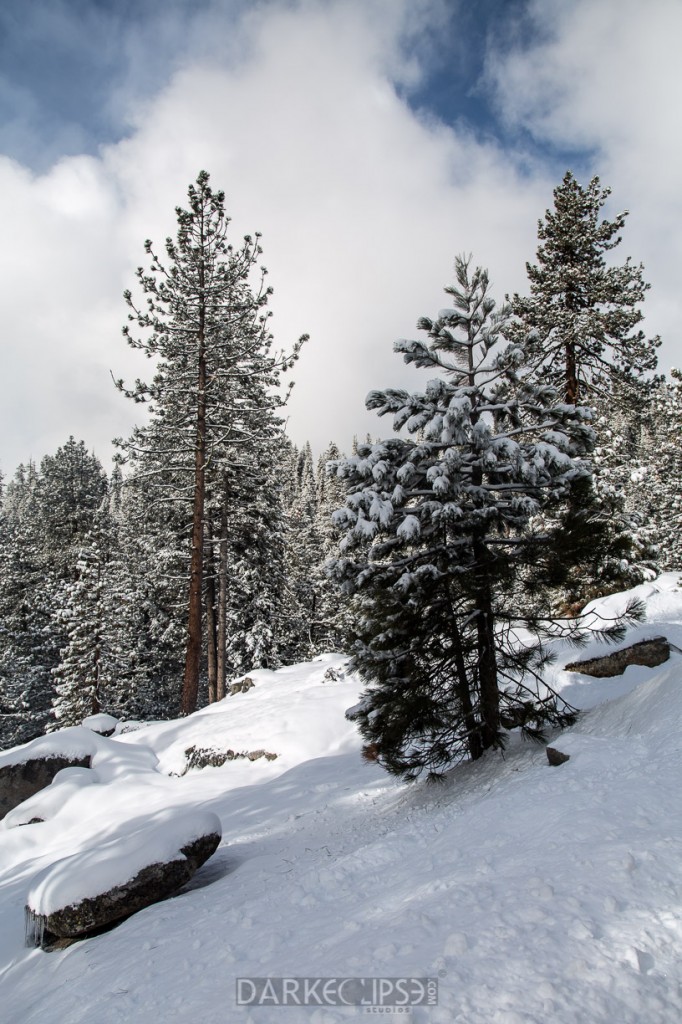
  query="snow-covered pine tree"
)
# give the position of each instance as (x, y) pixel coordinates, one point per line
(439, 542)
(253, 609)
(26, 654)
(654, 484)
(85, 671)
(207, 330)
(304, 557)
(580, 321)
(145, 581)
(335, 616)
(70, 489)
(45, 518)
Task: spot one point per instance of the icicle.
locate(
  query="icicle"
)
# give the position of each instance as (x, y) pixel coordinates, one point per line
(34, 932)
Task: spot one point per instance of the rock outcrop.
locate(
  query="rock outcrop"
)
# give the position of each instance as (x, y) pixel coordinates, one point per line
(22, 779)
(241, 686)
(647, 652)
(205, 757)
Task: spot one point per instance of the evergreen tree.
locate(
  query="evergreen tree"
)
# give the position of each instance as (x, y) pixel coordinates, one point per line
(45, 518)
(70, 489)
(582, 314)
(654, 472)
(439, 547)
(335, 614)
(212, 399)
(146, 588)
(84, 674)
(580, 328)
(304, 555)
(26, 654)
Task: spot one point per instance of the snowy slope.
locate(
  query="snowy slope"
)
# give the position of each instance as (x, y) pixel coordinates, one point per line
(531, 893)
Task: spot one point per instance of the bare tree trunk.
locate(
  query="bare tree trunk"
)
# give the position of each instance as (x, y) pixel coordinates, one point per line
(222, 601)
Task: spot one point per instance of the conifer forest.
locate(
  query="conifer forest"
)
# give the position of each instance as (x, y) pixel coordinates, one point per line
(538, 467)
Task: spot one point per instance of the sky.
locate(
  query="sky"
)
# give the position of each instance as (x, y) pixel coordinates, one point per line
(370, 141)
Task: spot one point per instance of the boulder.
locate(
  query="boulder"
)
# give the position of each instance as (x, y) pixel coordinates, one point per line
(555, 757)
(646, 652)
(333, 675)
(22, 779)
(82, 894)
(241, 686)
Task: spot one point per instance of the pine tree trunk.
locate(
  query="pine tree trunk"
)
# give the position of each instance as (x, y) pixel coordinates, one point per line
(571, 375)
(95, 706)
(487, 663)
(211, 620)
(190, 686)
(464, 694)
(487, 674)
(222, 602)
(311, 623)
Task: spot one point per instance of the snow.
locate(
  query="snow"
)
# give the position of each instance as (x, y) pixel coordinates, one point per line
(409, 529)
(531, 893)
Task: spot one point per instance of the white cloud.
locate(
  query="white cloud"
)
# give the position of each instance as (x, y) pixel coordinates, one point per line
(362, 209)
(605, 76)
(362, 205)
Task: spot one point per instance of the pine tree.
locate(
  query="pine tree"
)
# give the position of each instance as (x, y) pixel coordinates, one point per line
(84, 674)
(213, 388)
(256, 588)
(439, 547)
(580, 328)
(304, 555)
(145, 583)
(45, 517)
(653, 495)
(335, 613)
(582, 314)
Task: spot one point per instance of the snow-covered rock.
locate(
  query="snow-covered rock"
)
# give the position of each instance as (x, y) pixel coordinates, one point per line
(102, 723)
(112, 880)
(48, 802)
(27, 769)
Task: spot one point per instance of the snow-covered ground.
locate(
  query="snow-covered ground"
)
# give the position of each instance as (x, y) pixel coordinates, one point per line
(532, 894)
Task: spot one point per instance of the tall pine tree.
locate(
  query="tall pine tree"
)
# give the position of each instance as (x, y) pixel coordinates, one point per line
(212, 398)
